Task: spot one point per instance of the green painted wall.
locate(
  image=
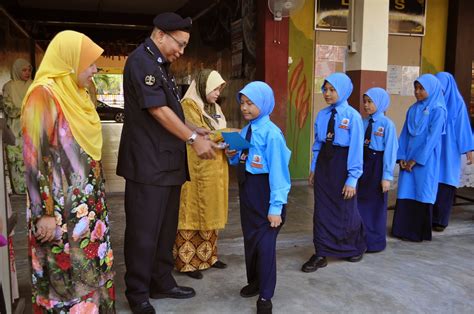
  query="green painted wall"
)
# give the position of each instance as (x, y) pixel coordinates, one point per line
(300, 90)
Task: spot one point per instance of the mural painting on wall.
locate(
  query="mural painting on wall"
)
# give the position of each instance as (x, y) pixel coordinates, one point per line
(299, 105)
(405, 16)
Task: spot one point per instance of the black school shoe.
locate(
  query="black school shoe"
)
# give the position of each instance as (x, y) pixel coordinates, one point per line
(438, 228)
(143, 308)
(355, 259)
(250, 290)
(264, 306)
(314, 263)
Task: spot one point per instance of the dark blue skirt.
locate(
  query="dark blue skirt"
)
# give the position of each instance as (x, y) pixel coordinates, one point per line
(372, 202)
(259, 236)
(443, 205)
(412, 220)
(337, 226)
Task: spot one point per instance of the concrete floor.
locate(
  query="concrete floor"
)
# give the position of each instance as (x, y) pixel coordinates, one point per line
(434, 277)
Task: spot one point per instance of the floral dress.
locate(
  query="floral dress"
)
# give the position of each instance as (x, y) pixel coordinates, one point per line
(73, 273)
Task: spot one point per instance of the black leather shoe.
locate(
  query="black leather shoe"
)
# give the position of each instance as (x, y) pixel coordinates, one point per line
(314, 263)
(175, 293)
(438, 228)
(250, 290)
(264, 306)
(220, 265)
(355, 259)
(143, 308)
(194, 274)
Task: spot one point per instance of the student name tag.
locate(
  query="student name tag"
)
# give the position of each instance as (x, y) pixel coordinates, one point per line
(379, 132)
(344, 124)
(256, 162)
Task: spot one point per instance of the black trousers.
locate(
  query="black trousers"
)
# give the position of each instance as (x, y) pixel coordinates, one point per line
(151, 223)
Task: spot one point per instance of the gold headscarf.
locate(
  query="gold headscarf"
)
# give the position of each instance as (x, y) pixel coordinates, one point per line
(205, 82)
(68, 54)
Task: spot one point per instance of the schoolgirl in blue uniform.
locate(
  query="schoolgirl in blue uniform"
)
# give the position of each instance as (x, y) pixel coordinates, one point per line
(419, 158)
(336, 166)
(380, 154)
(458, 140)
(264, 184)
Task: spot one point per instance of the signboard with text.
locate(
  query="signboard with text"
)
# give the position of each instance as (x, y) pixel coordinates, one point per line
(405, 16)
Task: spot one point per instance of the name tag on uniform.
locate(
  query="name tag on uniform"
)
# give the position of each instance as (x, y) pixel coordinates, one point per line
(256, 162)
(344, 124)
(379, 132)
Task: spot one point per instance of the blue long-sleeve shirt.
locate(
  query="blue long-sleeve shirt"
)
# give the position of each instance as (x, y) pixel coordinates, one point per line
(458, 140)
(269, 154)
(384, 138)
(349, 132)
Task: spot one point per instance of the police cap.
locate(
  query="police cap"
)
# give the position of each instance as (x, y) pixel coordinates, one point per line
(170, 21)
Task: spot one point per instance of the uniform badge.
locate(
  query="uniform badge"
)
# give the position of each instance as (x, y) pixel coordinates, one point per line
(150, 80)
(380, 130)
(256, 162)
(344, 123)
(160, 60)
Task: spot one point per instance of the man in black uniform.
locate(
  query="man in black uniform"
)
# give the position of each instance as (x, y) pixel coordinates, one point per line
(152, 159)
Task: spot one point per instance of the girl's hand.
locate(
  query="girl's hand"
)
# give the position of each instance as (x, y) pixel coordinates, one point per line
(348, 192)
(45, 229)
(469, 158)
(385, 185)
(403, 164)
(275, 220)
(311, 178)
(230, 152)
(410, 165)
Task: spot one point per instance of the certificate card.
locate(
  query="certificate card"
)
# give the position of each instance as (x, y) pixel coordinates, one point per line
(235, 140)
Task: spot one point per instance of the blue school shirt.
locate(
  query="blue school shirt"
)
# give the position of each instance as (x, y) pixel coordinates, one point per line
(384, 138)
(425, 148)
(458, 139)
(349, 132)
(268, 154)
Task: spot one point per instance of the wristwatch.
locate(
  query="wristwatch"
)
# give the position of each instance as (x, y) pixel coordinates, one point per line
(191, 139)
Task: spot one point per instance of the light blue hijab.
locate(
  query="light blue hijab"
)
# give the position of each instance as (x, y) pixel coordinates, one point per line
(380, 98)
(435, 99)
(452, 96)
(342, 84)
(261, 94)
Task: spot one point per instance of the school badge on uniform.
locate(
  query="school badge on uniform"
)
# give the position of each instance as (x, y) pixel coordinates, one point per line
(380, 130)
(150, 80)
(256, 162)
(344, 124)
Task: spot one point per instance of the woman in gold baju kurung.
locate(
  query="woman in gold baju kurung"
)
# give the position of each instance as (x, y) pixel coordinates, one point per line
(204, 199)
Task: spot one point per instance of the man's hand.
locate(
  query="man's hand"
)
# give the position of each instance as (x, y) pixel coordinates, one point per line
(311, 178)
(203, 132)
(385, 185)
(45, 229)
(204, 148)
(348, 192)
(275, 220)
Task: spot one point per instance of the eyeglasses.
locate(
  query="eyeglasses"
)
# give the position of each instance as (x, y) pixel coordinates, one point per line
(180, 44)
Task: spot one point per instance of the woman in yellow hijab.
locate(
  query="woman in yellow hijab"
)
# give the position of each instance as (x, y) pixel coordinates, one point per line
(13, 93)
(69, 234)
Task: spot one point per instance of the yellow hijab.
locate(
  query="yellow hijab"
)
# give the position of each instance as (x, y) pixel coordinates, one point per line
(69, 54)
